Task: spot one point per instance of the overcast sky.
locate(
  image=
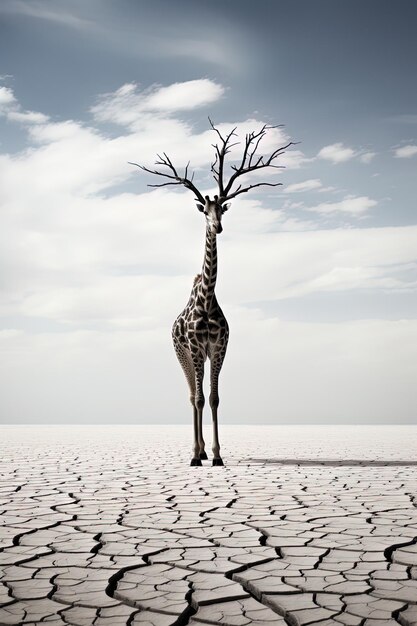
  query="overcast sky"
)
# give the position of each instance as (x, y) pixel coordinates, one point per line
(317, 278)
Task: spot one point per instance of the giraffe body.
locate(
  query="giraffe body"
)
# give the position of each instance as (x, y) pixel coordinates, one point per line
(200, 332)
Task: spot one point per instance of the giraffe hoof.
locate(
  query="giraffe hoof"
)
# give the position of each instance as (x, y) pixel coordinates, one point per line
(218, 461)
(203, 456)
(195, 462)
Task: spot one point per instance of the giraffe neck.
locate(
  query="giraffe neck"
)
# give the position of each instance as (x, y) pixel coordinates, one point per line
(209, 272)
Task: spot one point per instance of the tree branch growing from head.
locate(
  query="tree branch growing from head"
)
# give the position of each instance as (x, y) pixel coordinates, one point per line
(252, 160)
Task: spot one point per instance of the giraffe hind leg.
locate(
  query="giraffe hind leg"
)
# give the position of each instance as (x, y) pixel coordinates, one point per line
(185, 360)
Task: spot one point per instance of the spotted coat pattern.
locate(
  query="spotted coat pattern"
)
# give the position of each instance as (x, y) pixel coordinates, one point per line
(201, 331)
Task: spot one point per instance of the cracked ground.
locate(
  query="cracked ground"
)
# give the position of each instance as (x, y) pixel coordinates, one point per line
(106, 525)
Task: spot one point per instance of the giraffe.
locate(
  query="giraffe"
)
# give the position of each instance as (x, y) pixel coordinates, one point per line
(202, 331)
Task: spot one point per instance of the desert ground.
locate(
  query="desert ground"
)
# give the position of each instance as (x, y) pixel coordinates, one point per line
(109, 525)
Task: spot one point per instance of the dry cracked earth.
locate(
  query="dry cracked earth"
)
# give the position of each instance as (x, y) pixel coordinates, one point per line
(304, 525)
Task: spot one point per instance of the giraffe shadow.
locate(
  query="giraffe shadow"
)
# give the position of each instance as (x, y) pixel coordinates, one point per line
(334, 462)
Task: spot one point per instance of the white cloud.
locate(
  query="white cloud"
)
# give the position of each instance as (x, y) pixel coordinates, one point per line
(293, 159)
(6, 97)
(405, 152)
(367, 157)
(150, 113)
(69, 159)
(184, 96)
(306, 185)
(116, 260)
(289, 204)
(294, 264)
(326, 189)
(339, 153)
(353, 205)
(27, 117)
(11, 108)
(127, 105)
(336, 153)
(356, 277)
(65, 230)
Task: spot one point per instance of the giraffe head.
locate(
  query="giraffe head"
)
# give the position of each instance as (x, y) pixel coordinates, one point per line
(213, 210)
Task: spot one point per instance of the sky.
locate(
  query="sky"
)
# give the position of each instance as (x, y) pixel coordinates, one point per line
(317, 277)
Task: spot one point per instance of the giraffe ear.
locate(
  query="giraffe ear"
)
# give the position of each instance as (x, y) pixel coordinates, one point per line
(200, 207)
(225, 207)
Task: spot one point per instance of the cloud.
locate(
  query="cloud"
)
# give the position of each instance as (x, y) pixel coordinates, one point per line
(405, 152)
(59, 226)
(184, 96)
(129, 259)
(339, 153)
(11, 108)
(27, 117)
(6, 97)
(336, 153)
(127, 105)
(306, 185)
(353, 205)
(367, 157)
(70, 158)
(293, 159)
(294, 264)
(326, 189)
(151, 113)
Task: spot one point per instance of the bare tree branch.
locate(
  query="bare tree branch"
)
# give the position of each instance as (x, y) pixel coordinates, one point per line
(172, 174)
(251, 161)
(241, 189)
(221, 152)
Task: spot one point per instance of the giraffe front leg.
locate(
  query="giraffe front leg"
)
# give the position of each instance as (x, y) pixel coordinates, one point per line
(201, 442)
(198, 447)
(214, 403)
